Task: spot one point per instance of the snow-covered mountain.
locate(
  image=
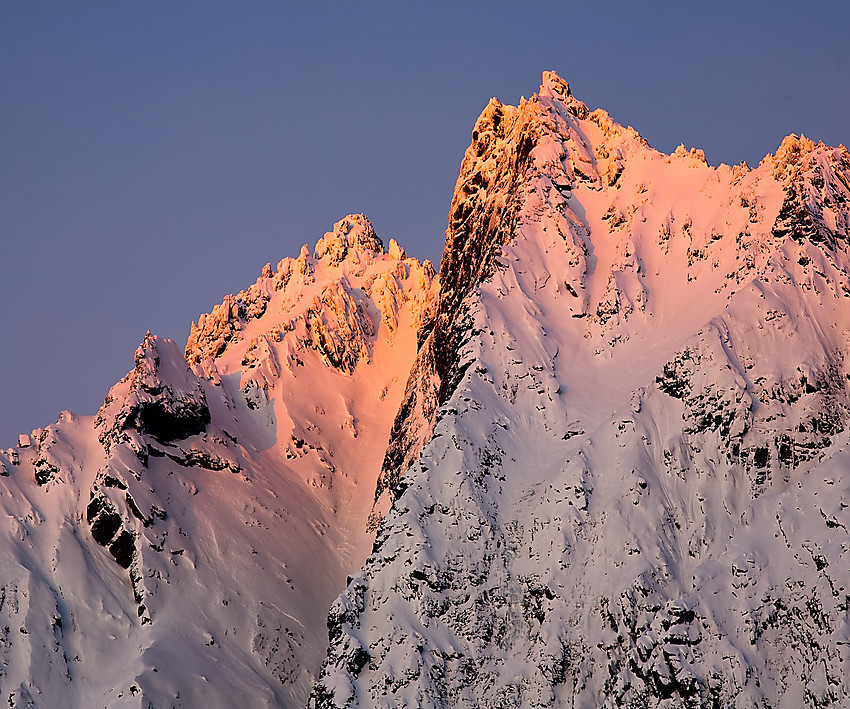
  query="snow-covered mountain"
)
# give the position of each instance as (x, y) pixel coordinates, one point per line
(182, 547)
(627, 435)
(601, 463)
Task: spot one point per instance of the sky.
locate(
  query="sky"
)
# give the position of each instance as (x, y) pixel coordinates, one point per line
(155, 155)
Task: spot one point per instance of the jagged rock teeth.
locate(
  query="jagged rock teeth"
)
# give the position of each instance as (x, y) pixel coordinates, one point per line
(352, 237)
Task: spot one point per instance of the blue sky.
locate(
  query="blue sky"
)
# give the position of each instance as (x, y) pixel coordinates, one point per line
(154, 155)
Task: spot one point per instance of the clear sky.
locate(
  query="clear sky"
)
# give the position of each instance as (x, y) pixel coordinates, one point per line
(154, 155)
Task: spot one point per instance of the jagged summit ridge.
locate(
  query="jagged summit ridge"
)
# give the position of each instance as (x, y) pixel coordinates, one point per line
(353, 234)
(350, 248)
(616, 467)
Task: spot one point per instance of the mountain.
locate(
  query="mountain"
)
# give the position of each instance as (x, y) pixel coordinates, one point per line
(182, 547)
(599, 462)
(618, 474)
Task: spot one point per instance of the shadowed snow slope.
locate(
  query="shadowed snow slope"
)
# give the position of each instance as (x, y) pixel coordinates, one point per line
(626, 431)
(182, 548)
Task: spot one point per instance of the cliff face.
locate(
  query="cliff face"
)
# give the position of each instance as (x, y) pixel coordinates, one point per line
(482, 217)
(182, 547)
(626, 431)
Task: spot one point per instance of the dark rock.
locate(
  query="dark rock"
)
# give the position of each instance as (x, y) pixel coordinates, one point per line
(123, 549)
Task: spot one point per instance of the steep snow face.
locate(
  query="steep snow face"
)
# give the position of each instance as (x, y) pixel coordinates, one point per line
(633, 489)
(182, 547)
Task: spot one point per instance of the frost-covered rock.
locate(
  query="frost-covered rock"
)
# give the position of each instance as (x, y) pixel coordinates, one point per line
(161, 397)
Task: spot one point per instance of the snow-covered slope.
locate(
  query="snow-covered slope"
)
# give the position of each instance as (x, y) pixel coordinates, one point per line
(626, 427)
(182, 547)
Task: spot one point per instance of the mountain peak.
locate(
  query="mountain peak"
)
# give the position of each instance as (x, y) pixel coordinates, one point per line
(553, 83)
(615, 434)
(354, 233)
(555, 88)
(160, 396)
(630, 349)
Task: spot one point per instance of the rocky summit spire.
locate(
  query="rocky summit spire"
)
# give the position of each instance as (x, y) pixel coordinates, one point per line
(555, 88)
(353, 234)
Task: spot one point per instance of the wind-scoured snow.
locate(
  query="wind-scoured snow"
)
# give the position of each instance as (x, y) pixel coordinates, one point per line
(633, 492)
(182, 547)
